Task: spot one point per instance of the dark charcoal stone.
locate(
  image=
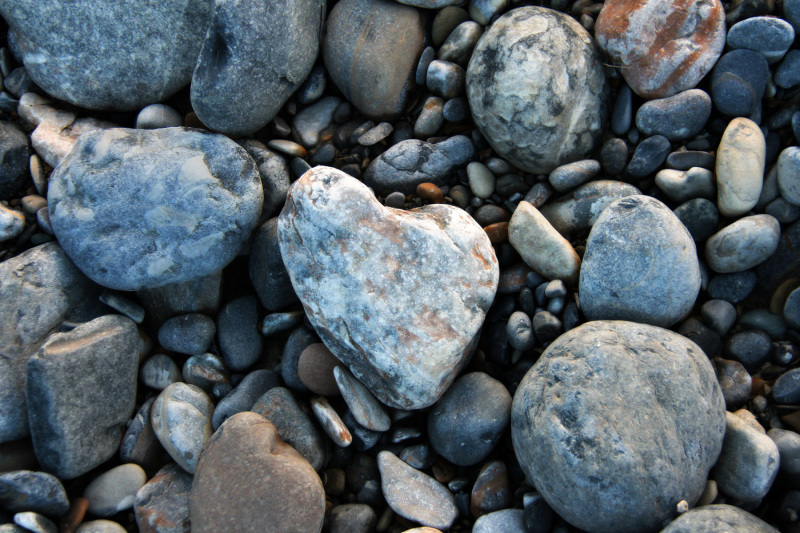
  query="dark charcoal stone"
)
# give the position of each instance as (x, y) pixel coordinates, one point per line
(469, 420)
(39, 492)
(15, 149)
(267, 271)
(700, 216)
(738, 81)
(128, 230)
(148, 51)
(706, 338)
(751, 348)
(274, 174)
(244, 395)
(240, 341)
(81, 388)
(677, 117)
(254, 57)
(732, 288)
(299, 339)
(189, 334)
(595, 375)
(649, 155)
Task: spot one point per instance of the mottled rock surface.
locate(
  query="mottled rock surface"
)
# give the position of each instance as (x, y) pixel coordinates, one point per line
(128, 54)
(371, 50)
(640, 264)
(162, 504)
(719, 518)
(350, 260)
(283, 493)
(139, 209)
(39, 289)
(254, 57)
(616, 423)
(537, 90)
(662, 47)
(81, 391)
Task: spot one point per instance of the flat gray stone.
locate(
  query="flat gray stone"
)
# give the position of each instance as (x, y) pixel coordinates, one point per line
(139, 209)
(254, 57)
(616, 423)
(81, 391)
(39, 289)
(348, 256)
(129, 55)
(40, 492)
(537, 89)
(640, 265)
(720, 518)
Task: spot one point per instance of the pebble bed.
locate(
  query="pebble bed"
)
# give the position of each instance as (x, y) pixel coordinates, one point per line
(500, 266)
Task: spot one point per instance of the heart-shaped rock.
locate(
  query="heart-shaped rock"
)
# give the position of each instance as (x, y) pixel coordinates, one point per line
(398, 296)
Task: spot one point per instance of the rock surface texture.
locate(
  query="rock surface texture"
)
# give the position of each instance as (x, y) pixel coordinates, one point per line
(137, 54)
(349, 260)
(663, 48)
(138, 209)
(537, 89)
(588, 425)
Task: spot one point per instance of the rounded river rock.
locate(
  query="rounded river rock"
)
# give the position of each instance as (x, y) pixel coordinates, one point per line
(363, 273)
(537, 89)
(138, 209)
(616, 423)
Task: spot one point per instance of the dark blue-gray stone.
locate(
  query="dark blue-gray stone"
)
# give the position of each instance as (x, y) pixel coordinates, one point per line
(786, 389)
(622, 115)
(572, 175)
(138, 209)
(40, 492)
(456, 109)
(677, 117)
(738, 82)
(614, 156)
(267, 271)
(244, 395)
(138, 54)
(407, 164)
(157, 116)
(470, 419)
(751, 348)
(719, 518)
(460, 43)
(733, 287)
(428, 55)
(520, 331)
(15, 150)
(314, 86)
(649, 155)
(294, 426)
(81, 391)
(299, 339)
(240, 341)
(504, 521)
(189, 334)
(254, 56)
(787, 75)
(735, 382)
(39, 290)
(684, 160)
(274, 174)
(640, 265)
(700, 216)
(593, 377)
(18, 82)
(445, 79)
(769, 36)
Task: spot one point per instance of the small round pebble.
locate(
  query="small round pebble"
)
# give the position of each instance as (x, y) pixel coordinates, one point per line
(12, 223)
(445, 79)
(430, 119)
(751, 348)
(189, 334)
(240, 341)
(315, 369)
(481, 180)
(396, 200)
(505, 521)
(735, 382)
(769, 36)
(157, 116)
(677, 117)
(115, 490)
(181, 419)
(40, 492)
(718, 518)
(720, 315)
(159, 371)
(520, 331)
(786, 389)
(649, 155)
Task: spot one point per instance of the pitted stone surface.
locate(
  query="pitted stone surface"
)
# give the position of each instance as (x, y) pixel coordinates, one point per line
(138, 209)
(718, 518)
(663, 48)
(537, 89)
(350, 260)
(119, 55)
(616, 423)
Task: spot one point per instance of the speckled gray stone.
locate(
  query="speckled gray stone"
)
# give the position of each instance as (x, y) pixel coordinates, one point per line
(254, 57)
(789, 174)
(640, 264)
(744, 244)
(677, 117)
(40, 492)
(181, 419)
(616, 423)
(719, 518)
(189, 334)
(81, 391)
(39, 289)
(138, 54)
(369, 249)
(139, 209)
(537, 89)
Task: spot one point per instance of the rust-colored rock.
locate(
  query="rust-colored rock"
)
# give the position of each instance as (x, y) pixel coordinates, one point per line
(364, 272)
(430, 192)
(662, 47)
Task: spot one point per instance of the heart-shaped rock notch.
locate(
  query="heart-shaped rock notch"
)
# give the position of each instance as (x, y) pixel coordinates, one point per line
(398, 296)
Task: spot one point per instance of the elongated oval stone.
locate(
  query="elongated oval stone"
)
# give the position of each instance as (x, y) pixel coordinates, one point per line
(740, 167)
(398, 296)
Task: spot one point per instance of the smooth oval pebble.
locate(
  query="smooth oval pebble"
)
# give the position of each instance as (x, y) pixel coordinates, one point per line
(159, 371)
(100, 526)
(315, 369)
(157, 116)
(740, 167)
(415, 495)
(481, 180)
(181, 418)
(744, 244)
(115, 490)
(789, 174)
(189, 334)
(677, 117)
(571, 175)
(769, 36)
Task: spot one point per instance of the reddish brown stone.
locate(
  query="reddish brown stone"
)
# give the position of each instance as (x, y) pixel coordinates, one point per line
(662, 47)
(315, 369)
(74, 517)
(430, 192)
(491, 491)
(498, 233)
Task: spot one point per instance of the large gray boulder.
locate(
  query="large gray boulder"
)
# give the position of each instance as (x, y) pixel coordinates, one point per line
(640, 264)
(81, 391)
(120, 55)
(138, 209)
(254, 57)
(39, 289)
(616, 423)
(537, 89)
(364, 272)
